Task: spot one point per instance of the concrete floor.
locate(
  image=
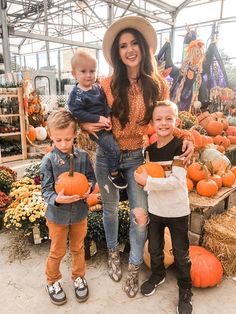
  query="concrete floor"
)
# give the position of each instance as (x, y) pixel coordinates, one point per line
(22, 286)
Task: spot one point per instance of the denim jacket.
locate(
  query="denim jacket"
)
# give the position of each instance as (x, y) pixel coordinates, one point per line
(52, 165)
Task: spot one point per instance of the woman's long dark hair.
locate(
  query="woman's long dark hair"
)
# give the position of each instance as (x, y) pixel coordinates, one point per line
(154, 87)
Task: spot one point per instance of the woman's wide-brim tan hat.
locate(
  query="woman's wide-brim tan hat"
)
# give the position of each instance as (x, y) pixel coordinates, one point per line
(135, 22)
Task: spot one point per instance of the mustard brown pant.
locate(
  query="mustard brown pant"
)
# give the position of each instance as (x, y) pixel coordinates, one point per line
(59, 235)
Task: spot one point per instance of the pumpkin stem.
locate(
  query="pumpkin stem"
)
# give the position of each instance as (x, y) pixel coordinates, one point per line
(72, 165)
(206, 172)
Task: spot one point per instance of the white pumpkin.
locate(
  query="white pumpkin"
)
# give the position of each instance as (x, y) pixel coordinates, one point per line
(214, 160)
(41, 133)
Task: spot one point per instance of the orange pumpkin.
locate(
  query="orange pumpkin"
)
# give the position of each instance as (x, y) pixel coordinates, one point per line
(153, 138)
(228, 178)
(197, 139)
(217, 179)
(168, 255)
(233, 169)
(190, 184)
(214, 128)
(31, 134)
(206, 187)
(150, 129)
(93, 199)
(232, 139)
(196, 172)
(73, 183)
(153, 169)
(231, 130)
(206, 269)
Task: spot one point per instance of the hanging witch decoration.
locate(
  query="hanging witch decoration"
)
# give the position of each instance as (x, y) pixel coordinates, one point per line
(184, 90)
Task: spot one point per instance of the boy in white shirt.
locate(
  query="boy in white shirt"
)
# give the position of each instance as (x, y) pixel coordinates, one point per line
(168, 205)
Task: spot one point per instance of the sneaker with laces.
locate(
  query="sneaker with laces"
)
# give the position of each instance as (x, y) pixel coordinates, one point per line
(81, 289)
(118, 181)
(114, 268)
(185, 305)
(56, 293)
(150, 286)
(132, 283)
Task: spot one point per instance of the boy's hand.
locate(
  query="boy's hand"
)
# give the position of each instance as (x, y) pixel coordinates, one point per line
(188, 149)
(88, 192)
(106, 121)
(141, 178)
(67, 199)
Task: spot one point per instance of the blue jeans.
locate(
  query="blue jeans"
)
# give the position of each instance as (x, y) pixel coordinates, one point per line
(109, 145)
(137, 197)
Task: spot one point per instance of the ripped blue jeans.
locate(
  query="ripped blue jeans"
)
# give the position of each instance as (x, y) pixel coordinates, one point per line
(129, 161)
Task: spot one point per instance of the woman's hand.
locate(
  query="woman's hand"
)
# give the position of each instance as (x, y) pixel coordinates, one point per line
(188, 149)
(92, 128)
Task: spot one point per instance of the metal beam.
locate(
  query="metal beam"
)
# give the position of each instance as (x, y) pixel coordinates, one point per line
(94, 13)
(53, 39)
(162, 5)
(141, 12)
(182, 6)
(5, 41)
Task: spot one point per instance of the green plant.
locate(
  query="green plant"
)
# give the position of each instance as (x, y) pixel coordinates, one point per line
(6, 181)
(5, 200)
(25, 212)
(12, 172)
(95, 225)
(33, 172)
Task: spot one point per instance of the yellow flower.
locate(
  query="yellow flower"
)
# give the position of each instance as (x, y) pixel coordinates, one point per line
(32, 218)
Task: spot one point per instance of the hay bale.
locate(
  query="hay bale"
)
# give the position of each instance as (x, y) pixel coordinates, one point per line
(220, 238)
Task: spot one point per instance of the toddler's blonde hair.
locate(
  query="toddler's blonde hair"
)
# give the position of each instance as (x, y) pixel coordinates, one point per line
(81, 55)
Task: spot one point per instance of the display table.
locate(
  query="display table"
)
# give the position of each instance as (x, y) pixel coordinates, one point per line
(203, 208)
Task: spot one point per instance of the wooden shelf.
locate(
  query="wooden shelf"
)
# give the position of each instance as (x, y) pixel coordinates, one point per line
(9, 115)
(10, 134)
(12, 158)
(22, 132)
(8, 95)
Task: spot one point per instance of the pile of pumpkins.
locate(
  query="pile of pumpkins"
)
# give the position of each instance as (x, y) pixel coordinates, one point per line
(210, 173)
(219, 128)
(213, 169)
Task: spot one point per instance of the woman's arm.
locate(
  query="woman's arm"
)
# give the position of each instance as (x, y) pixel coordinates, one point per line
(188, 143)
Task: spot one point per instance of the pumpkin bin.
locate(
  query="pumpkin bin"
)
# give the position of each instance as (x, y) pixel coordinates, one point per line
(72, 182)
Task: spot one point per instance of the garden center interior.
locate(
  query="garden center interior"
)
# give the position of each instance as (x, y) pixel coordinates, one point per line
(195, 42)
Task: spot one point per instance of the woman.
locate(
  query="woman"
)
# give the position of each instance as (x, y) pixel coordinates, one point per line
(128, 46)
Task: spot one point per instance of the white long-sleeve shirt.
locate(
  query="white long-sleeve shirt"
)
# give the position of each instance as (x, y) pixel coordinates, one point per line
(168, 197)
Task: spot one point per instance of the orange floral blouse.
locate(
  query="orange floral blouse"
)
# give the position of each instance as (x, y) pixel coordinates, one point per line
(131, 137)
